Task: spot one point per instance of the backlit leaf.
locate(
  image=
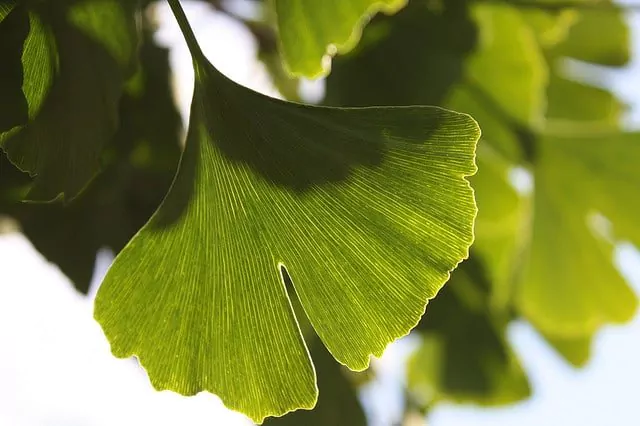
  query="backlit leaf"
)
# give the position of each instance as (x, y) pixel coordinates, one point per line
(518, 87)
(368, 209)
(311, 31)
(573, 101)
(501, 226)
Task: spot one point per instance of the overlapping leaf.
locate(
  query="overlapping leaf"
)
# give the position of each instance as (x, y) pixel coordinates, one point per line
(464, 356)
(74, 62)
(502, 227)
(338, 402)
(138, 166)
(368, 210)
(461, 64)
(571, 287)
(311, 31)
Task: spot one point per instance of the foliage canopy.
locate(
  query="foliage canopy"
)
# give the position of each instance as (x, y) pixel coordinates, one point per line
(287, 226)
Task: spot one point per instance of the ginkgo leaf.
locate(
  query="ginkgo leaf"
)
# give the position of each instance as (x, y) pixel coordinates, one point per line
(550, 26)
(75, 60)
(576, 350)
(570, 287)
(312, 31)
(368, 209)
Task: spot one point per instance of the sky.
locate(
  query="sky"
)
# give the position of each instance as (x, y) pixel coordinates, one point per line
(56, 367)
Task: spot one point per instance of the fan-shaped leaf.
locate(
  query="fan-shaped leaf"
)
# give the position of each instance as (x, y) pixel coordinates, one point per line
(368, 209)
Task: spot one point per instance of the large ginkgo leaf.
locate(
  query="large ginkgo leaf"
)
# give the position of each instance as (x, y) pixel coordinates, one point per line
(74, 61)
(368, 209)
(311, 31)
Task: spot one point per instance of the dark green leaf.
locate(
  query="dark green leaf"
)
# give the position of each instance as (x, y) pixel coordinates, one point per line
(76, 57)
(139, 165)
(463, 356)
(463, 62)
(14, 28)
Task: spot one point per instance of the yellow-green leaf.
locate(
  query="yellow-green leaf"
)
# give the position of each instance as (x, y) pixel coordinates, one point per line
(601, 37)
(570, 286)
(368, 209)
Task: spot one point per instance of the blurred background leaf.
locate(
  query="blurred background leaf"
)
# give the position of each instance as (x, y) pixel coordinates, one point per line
(138, 166)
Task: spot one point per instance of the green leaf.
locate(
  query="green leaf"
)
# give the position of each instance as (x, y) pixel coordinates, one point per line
(14, 184)
(388, 68)
(368, 209)
(460, 63)
(75, 59)
(575, 350)
(501, 231)
(600, 37)
(509, 64)
(464, 356)
(14, 28)
(338, 402)
(138, 167)
(311, 31)
(550, 27)
(570, 286)
(573, 101)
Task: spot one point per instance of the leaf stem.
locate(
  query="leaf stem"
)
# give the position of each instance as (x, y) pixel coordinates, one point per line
(187, 31)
